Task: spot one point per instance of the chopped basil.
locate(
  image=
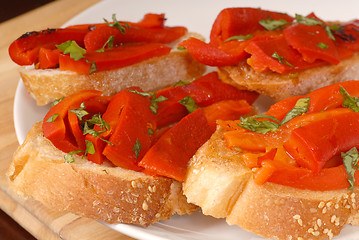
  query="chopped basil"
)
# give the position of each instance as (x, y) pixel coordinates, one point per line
(137, 148)
(300, 107)
(254, 125)
(80, 113)
(56, 101)
(350, 161)
(335, 27)
(109, 44)
(96, 120)
(181, 83)
(150, 131)
(154, 99)
(329, 32)
(239, 37)
(349, 101)
(69, 158)
(322, 45)
(71, 47)
(307, 21)
(189, 103)
(281, 59)
(93, 67)
(52, 118)
(181, 48)
(105, 171)
(117, 24)
(90, 148)
(271, 24)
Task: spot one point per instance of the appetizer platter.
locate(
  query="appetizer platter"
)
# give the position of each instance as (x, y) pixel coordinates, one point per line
(196, 19)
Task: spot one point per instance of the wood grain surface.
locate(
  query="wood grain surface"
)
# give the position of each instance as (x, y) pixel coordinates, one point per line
(41, 222)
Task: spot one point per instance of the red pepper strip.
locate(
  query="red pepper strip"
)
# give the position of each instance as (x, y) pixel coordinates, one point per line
(313, 42)
(327, 179)
(258, 142)
(57, 131)
(241, 21)
(207, 90)
(347, 35)
(114, 58)
(170, 155)
(130, 136)
(74, 127)
(287, 60)
(48, 58)
(210, 55)
(25, 50)
(280, 109)
(150, 20)
(96, 38)
(316, 143)
(225, 110)
(169, 112)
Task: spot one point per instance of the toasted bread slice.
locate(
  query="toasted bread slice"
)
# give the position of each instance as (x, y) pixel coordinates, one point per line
(223, 187)
(281, 86)
(46, 85)
(102, 192)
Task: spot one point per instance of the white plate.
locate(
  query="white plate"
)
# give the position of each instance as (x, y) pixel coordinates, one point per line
(197, 16)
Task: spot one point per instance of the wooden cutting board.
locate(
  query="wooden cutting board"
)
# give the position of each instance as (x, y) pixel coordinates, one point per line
(41, 222)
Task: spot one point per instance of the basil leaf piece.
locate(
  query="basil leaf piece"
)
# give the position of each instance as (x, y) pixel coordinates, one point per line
(71, 47)
(300, 107)
(271, 24)
(56, 101)
(307, 21)
(349, 101)
(329, 32)
(254, 125)
(52, 118)
(281, 59)
(93, 67)
(117, 24)
(90, 148)
(181, 83)
(137, 148)
(350, 161)
(239, 37)
(189, 103)
(154, 100)
(109, 44)
(181, 48)
(80, 113)
(322, 45)
(69, 158)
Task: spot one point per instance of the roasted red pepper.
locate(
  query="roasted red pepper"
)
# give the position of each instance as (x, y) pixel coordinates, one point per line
(170, 154)
(25, 50)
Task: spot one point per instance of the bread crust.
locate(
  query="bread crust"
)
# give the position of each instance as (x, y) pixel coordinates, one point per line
(281, 86)
(270, 210)
(47, 85)
(102, 192)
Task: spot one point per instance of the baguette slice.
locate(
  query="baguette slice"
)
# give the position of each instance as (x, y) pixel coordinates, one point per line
(224, 188)
(46, 85)
(102, 192)
(281, 86)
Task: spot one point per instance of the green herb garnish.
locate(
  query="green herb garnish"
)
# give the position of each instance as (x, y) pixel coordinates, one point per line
(264, 126)
(271, 24)
(93, 67)
(349, 101)
(69, 158)
(239, 37)
(281, 59)
(117, 24)
(307, 21)
(90, 148)
(80, 112)
(322, 45)
(189, 103)
(108, 43)
(350, 161)
(71, 47)
(52, 118)
(56, 101)
(181, 48)
(181, 83)
(154, 99)
(150, 131)
(300, 107)
(137, 148)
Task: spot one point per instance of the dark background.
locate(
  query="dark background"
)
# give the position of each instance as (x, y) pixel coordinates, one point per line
(9, 229)
(13, 8)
